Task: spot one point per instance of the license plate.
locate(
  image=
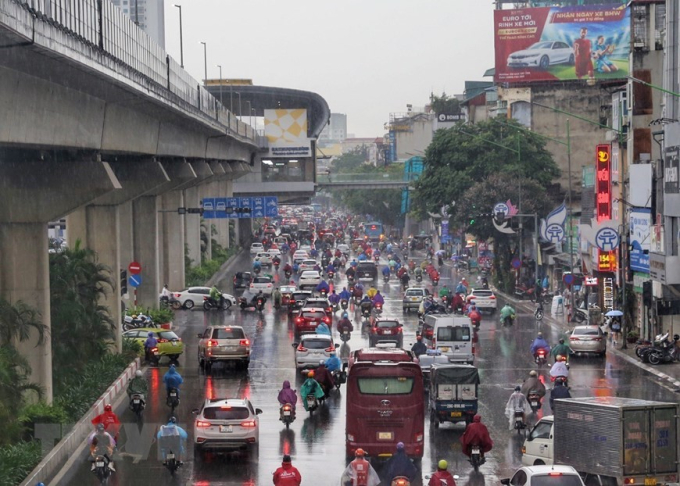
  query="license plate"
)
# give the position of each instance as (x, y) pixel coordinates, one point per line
(228, 348)
(534, 404)
(444, 349)
(286, 413)
(456, 414)
(414, 299)
(386, 331)
(475, 450)
(173, 394)
(227, 429)
(170, 457)
(384, 435)
(310, 402)
(135, 401)
(174, 343)
(650, 481)
(100, 464)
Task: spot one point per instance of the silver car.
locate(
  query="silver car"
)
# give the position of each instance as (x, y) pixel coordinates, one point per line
(413, 297)
(588, 339)
(311, 349)
(226, 425)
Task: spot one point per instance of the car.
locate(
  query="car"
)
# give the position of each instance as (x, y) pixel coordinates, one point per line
(319, 302)
(309, 278)
(169, 344)
(484, 300)
(413, 297)
(588, 339)
(311, 349)
(386, 331)
(344, 248)
(281, 240)
(242, 280)
(366, 270)
(226, 424)
(309, 319)
(308, 264)
(263, 283)
(300, 255)
(298, 299)
(194, 296)
(307, 248)
(542, 55)
(544, 476)
(256, 248)
(223, 343)
(274, 252)
(264, 258)
(287, 293)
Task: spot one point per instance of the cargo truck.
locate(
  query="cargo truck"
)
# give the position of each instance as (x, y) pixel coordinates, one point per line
(610, 441)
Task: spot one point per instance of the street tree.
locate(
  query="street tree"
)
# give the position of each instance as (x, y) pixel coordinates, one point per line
(445, 104)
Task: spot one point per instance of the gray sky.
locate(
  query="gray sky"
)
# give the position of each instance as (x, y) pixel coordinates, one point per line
(367, 58)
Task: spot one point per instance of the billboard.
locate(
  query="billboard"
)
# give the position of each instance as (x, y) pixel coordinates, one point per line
(286, 131)
(640, 239)
(603, 188)
(589, 42)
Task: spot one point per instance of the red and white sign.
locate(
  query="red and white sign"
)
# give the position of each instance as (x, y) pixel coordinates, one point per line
(134, 268)
(603, 183)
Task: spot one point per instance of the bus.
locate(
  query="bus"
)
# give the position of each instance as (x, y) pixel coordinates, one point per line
(373, 230)
(385, 406)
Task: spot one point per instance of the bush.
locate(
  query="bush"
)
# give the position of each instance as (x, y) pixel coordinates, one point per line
(161, 316)
(201, 274)
(17, 461)
(132, 349)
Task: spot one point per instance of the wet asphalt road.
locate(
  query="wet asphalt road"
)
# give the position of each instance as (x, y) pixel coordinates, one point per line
(317, 444)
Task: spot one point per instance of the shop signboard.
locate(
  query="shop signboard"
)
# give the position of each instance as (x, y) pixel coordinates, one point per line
(640, 239)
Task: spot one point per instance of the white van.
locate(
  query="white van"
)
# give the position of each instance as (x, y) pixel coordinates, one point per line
(452, 336)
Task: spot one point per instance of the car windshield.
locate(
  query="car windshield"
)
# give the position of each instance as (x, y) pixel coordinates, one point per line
(310, 274)
(414, 292)
(316, 343)
(586, 331)
(314, 314)
(226, 413)
(387, 324)
(168, 335)
(450, 333)
(385, 385)
(262, 280)
(556, 480)
(541, 45)
(228, 333)
(366, 265)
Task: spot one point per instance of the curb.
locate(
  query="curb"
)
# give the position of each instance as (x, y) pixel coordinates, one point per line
(54, 460)
(224, 269)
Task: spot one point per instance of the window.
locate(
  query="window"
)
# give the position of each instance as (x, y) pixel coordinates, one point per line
(541, 431)
(314, 315)
(132, 334)
(387, 324)
(206, 334)
(316, 343)
(451, 333)
(167, 335)
(587, 332)
(519, 479)
(561, 480)
(198, 290)
(261, 280)
(385, 385)
(229, 333)
(226, 413)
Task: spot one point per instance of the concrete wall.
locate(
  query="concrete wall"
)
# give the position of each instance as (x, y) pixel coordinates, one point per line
(416, 140)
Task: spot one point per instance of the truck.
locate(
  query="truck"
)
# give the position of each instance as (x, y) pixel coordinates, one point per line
(610, 441)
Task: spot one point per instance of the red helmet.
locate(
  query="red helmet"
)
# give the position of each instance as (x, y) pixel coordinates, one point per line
(107, 408)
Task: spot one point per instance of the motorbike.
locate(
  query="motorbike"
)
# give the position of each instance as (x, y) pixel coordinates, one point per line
(287, 273)
(560, 379)
(344, 304)
(534, 402)
(476, 457)
(643, 347)
(152, 356)
(101, 469)
(386, 277)
(581, 315)
(435, 281)
(345, 336)
(665, 353)
(400, 481)
(519, 421)
(524, 292)
(257, 270)
(540, 357)
(376, 258)
(137, 404)
(366, 312)
(171, 462)
(339, 378)
(378, 308)
(134, 322)
(331, 275)
(334, 307)
(312, 404)
(476, 322)
(538, 313)
(173, 399)
(287, 414)
(507, 321)
(210, 303)
(277, 304)
(419, 278)
(323, 293)
(165, 302)
(259, 305)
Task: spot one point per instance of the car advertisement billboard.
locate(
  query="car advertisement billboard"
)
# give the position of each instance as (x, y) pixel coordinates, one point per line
(589, 43)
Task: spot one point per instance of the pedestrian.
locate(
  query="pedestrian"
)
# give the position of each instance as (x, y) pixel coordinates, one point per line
(615, 327)
(287, 474)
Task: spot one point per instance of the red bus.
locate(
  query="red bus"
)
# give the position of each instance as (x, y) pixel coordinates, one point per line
(385, 405)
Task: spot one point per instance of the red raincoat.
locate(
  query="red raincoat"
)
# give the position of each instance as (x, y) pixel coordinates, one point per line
(287, 475)
(476, 434)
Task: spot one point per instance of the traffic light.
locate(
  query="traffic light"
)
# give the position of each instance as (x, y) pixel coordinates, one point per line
(123, 282)
(647, 293)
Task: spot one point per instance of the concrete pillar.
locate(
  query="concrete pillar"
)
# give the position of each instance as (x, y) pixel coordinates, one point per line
(24, 276)
(222, 225)
(208, 190)
(145, 249)
(172, 240)
(192, 227)
(125, 234)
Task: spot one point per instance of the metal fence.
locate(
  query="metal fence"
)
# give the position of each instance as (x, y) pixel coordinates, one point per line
(105, 27)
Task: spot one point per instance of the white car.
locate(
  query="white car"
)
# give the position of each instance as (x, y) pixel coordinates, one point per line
(264, 258)
(484, 299)
(306, 248)
(256, 248)
(262, 283)
(308, 264)
(226, 425)
(544, 476)
(311, 349)
(194, 296)
(542, 55)
(274, 252)
(345, 249)
(300, 255)
(309, 278)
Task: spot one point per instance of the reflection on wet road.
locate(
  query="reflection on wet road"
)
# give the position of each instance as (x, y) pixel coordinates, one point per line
(317, 443)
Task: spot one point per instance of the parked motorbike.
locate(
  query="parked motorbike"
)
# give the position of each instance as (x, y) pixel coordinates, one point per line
(312, 404)
(171, 462)
(210, 304)
(525, 292)
(287, 414)
(581, 315)
(665, 353)
(173, 399)
(137, 321)
(540, 357)
(101, 469)
(534, 402)
(642, 347)
(137, 404)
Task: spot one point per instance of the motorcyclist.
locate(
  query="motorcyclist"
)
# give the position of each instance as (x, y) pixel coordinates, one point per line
(442, 477)
(507, 311)
(419, 347)
(334, 298)
(256, 297)
(358, 291)
(172, 379)
(350, 273)
(109, 420)
(102, 443)
(360, 472)
(475, 316)
(533, 385)
(257, 266)
(323, 376)
(366, 304)
(310, 387)
(287, 475)
(400, 465)
(287, 395)
(138, 386)
(378, 299)
(322, 328)
(560, 350)
(516, 402)
(333, 363)
(287, 268)
(476, 434)
(444, 292)
(539, 343)
(345, 323)
(457, 302)
(559, 368)
(560, 390)
(386, 272)
(372, 291)
(165, 294)
(150, 343)
(330, 269)
(278, 297)
(323, 286)
(461, 289)
(345, 295)
(171, 436)
(405, 279)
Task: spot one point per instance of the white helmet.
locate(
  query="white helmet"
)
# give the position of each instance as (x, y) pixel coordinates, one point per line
(139, 373)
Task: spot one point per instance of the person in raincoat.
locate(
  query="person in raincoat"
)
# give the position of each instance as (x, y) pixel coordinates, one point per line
(172, 379)
(559, 368)
(533, 385)
(345, 295)
(476, 434)
(360, 472)
(400, 465)
(323, 377)
(516, 402)
(560, 350)
(322, 328)
(172, 437)
(378, 299)
(287, 395)
(310, 387)
(333, 363)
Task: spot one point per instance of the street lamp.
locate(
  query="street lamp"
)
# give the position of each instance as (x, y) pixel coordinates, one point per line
(239, 104)
(250, 113)
(181, 42)
(136, 12)
(220, 68)
(205, 59)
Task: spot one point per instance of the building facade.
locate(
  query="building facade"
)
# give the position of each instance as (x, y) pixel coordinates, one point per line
(148, 14)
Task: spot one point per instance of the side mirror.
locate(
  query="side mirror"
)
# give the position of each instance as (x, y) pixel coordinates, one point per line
(200, 335)
(258, 411)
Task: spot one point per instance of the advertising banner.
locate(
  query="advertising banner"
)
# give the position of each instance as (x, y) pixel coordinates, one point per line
(640, 239)
(589, 42)
(286, 131)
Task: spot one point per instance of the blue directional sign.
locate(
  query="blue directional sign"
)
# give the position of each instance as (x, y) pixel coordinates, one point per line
(208, 207)
(220, 207)
(258, 207)
(271, 206)
(240, 207)
(135, 280)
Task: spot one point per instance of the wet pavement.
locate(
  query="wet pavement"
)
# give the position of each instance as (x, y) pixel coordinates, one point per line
(316, 443)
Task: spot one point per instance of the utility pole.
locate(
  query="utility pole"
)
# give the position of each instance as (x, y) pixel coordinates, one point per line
(181, 42)
(571, 222)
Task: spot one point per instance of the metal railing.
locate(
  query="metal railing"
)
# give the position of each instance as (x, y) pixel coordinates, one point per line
(103, 26)
(363, 178)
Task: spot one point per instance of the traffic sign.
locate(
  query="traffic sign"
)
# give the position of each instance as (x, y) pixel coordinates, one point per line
(135, 280)
(134, 268)
(209, 207)
(516, 263)
(271, 206)
(568, 279)
(240, 207)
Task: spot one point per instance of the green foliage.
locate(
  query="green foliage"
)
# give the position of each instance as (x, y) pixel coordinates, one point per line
(351, 161)
(161, 316)
(43, 413)
(201, 274)
(445, 104)
(17, 461)
(132, 349)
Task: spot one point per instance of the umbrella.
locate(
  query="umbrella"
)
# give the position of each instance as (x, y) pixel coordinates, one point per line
(614, 313)
(440, 253)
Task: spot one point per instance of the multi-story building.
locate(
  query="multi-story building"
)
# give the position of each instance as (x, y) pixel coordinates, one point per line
(335, 131)
(148, 14)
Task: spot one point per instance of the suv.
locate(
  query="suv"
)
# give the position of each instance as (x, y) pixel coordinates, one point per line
(386, 331)
(309, 319)
(413, 297)
(264, 257)
(223, 343)
(298, 299)
(311, 349)
(226, 425)
(319, 302)
(484, 299)
(366, 270)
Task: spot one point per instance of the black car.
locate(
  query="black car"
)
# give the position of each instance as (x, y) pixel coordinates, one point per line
(298, 299)
(366, 270)
(242, 280)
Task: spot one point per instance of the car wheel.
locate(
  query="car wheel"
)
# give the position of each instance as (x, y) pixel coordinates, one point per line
(405, 310)
(188, 304)
(226, 305)
(201, 363)
(571, 60)
(544, 63)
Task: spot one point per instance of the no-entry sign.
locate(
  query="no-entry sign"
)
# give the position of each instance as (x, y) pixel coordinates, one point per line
(134, 268)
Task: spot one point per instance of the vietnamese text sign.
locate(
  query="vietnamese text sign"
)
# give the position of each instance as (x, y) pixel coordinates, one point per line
(670, 171)
(606, 261)
(562, 43)
(640, 239)
(603, 187)
(286, 131)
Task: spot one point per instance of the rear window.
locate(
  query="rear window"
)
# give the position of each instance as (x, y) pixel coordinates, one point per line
(387, 324)
(482, 293)
(262, 280)
(316, 343)
(226, 413)
(314, 315)
(366, 266)
(228, 334)
(310, 274)
(451, 333)
(415, 292)
(562, 480)
(168, 335)
(401, 385)
(587, 331)
(300, 296)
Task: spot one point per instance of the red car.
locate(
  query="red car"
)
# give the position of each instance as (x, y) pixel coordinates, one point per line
(386, 331)
(309, 319)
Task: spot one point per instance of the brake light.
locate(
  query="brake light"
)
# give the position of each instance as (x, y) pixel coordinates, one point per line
(492, 297)
(326, 320)
(399, 329)
(553, 473)
(244, 342)
(225, 407)
(400, 482)
(301, 348)
(269, 285)
(287, 408)
(574, 338)
(629, 481)
(205, 298)
(178, 295)
(201, 424)
(212, 343)
(597, 339)
(299, 320)
(330, 349)
(541, 352)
